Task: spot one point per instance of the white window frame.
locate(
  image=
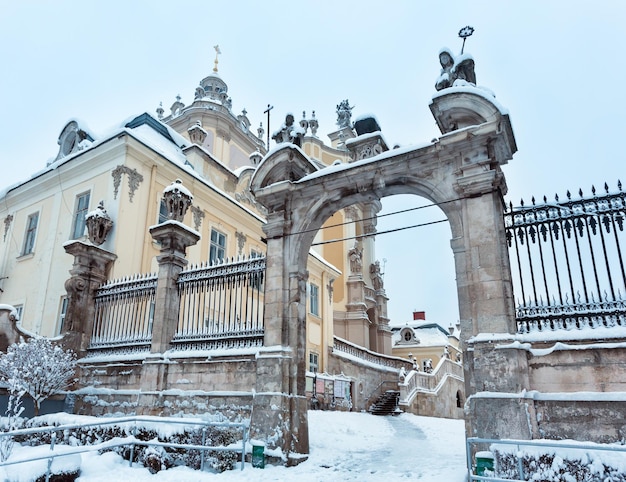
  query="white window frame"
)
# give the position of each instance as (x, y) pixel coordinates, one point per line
(30, 234)
(80, 212)
(62, 312)
(162, 216)
(216, 247)
(259, 282)
(314, 299)
(314, 359)
(20, 310)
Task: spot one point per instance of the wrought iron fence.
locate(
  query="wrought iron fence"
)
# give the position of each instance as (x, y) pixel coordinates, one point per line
(221, 306)
(124, 314)
(567, 260)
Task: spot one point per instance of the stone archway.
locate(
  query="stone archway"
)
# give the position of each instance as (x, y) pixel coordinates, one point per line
(460, 171)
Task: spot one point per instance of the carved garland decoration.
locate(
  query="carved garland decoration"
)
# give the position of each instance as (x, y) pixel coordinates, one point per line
(198, 216)
(134, 179)
(7, 225)
(241, 241)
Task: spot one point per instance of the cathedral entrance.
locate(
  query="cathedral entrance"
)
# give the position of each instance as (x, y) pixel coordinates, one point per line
(459, 171)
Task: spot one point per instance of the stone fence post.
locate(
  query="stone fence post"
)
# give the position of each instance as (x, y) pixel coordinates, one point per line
(89, 271)
(174, 238)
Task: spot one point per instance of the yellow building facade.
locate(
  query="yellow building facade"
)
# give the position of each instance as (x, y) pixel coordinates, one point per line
(213, 153)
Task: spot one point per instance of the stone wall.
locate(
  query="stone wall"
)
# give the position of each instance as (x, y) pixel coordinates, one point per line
(172, 386)
(368, 380)
(447, 402)
(572, 390)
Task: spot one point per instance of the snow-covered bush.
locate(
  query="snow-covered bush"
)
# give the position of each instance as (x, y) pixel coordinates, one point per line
(551, 467)
(153, 458)
(38, 367)
(13, 419)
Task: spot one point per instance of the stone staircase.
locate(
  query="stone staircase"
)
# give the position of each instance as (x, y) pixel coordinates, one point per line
(387, 404)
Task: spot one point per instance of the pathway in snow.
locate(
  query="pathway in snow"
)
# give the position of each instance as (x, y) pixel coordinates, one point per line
(346, 447)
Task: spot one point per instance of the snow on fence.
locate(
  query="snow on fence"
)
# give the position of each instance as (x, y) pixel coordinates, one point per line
(567, 260)
(132, 424)
(221, 306)
(124, 314)
(523, 460)
(361, 355)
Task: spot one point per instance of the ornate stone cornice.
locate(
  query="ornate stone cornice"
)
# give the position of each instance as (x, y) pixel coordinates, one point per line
(480, 183)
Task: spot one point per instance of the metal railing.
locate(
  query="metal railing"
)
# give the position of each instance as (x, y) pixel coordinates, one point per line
(428, 382)
(341, 346)
(471, 441)
(124, 314)
(221, 306)
(130, 440)
(567, 260)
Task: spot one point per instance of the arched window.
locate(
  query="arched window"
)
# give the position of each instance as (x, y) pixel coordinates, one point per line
(459, 399)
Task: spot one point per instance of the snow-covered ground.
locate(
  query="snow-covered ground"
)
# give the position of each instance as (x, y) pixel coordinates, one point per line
(344, 446)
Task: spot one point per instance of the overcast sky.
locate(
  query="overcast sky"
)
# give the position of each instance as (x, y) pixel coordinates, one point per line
(556, 65)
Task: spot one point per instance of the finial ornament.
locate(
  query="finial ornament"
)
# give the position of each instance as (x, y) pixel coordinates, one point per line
(217, 52)
(465, 32)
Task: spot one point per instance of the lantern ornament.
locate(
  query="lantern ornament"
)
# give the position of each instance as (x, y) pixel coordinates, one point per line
(99, 223)
(177, 200)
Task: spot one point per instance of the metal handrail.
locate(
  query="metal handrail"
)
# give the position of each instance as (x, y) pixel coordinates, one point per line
(130, 440)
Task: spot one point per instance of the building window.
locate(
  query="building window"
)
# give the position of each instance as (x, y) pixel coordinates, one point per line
(217, 251)
(19, 310)
(257, 277)
(62, 313)
(31, 233)
(81, 210)
(314, 299)
(313, 362)
(162, 212)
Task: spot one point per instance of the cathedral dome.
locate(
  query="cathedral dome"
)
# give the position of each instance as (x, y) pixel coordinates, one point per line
(212, 87)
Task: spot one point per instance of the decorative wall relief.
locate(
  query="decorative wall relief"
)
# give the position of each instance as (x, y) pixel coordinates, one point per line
(134, 179)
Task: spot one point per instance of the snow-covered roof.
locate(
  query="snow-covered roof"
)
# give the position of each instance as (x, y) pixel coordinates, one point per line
(426, 333)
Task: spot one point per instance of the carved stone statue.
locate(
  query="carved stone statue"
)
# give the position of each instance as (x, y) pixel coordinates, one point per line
(344, 113)
(289, 132)
(453, 69)
(354, 255)
(376, 276)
